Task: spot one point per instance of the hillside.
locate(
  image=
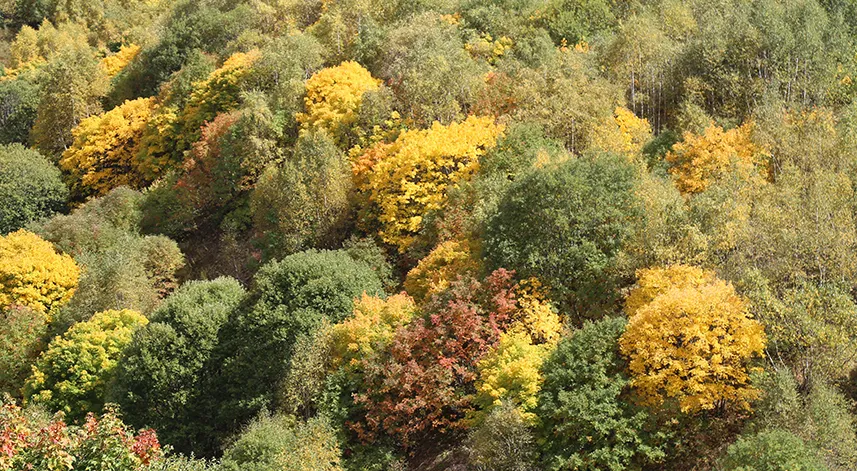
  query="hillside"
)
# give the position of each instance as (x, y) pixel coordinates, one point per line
(368, 235)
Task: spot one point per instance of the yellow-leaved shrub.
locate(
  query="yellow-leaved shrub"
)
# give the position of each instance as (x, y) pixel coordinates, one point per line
(699, 160)
(623, 133)
(103, 155)
(333, 96)
(33, 274)
(443, 265)
(691, 342)
(412, 176)
(114, 63)
(371, 328)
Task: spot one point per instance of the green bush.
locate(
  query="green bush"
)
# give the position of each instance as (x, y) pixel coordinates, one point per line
(159, 378)
(280, 443)
(774, 450)
(22, 333)
(19, 99)
(30, 187)
(566, 225)
(291, 297)
(587, 419)
(503, 442)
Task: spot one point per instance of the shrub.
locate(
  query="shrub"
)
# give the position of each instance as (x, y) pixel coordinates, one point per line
(33, 274)
(565, 226)
(774, 450)
(159, 379)
(586, 417)
(281, 443)
(30, 187)
(72, 375)
(22, 332)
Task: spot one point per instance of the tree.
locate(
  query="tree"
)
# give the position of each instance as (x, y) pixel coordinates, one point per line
(22, 332)
(503, 442)
(281, 443)
(586, 417)
(440, 268)
(565, 225)
(692, 342)
(774, 450)
(72, 375)
(102, 156)
(426, 65)
(159, 378)
(33, 274)
(303, 202)
(412, 176)
(31, 187)
(72, 85)
(333, 96)
(697, 161)
(370, 330)
(19, 100)
(292, 297)
(423, 384)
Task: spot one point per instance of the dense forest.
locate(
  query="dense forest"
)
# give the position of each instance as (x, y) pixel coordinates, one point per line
(368, 235)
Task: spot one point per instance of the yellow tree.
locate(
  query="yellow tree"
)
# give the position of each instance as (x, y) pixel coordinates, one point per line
(623, 133)
(443, 265)
(102, 156)
(691, 342)
(333, 96)
(699, 160)
(33, 274)
(413, 175)
(114, 63)
(371, 328)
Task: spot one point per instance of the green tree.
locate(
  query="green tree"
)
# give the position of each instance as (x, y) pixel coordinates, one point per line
(19, 100)
(774, 450)
(292, 297)
(159, 378)
(30, 187)
(588, 420)
(565, 225)
(281, 443)
(22, 333)
(302, 202)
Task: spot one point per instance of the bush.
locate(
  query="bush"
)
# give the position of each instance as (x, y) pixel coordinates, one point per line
(565, 226)
(774, 450)
(292, 297)
(30, 187)
(72, 375)
(281, 443)
(584, 408)
(503, 442)
(22, 333)
(33, 274)
(159, 378)
(102, 443)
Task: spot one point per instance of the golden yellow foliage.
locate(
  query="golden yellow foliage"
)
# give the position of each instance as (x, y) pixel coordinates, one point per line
(700, 159)
(114, 63)
(371, 328)
(102, 156)
(33, 274)
(691, 342)
(439, 269)
(218, 93)
(653, 282)
(511, 371)
(623, 133)
(333, 96)
(536, 317)
(413, 175)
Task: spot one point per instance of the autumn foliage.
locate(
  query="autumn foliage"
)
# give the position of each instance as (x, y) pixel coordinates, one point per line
(691, 342)
(412, 175)
(33, 274)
